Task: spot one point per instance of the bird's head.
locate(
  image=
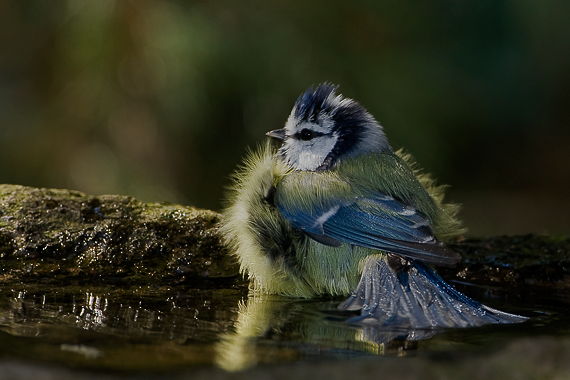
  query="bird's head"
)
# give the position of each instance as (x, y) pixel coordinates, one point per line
(325, 128)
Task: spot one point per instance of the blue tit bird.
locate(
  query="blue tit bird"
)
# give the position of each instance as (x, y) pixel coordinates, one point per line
(334, 210)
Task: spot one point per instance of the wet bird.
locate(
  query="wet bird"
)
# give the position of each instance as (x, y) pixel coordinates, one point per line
(334, 210)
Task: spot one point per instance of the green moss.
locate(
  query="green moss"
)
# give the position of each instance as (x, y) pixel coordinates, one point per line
(47, 231)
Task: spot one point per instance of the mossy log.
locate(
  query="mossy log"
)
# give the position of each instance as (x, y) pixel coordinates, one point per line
(50, 233)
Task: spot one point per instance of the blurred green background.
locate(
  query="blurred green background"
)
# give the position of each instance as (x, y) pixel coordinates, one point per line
(159, 99)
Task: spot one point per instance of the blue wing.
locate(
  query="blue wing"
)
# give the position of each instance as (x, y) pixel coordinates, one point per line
(378, 222)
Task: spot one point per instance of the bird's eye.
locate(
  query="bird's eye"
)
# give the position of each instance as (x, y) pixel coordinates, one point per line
(306, 134)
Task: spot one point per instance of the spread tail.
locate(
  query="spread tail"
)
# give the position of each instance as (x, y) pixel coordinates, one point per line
(397, 292)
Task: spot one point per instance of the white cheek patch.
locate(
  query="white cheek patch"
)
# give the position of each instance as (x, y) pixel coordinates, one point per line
(309, 155)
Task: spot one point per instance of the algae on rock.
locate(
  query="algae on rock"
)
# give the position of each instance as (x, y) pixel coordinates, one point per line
(532, 261)
(48, 232)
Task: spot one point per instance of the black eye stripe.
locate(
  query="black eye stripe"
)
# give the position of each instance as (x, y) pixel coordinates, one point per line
(306, 134)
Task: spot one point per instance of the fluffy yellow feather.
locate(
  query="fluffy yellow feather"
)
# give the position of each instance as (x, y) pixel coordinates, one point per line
(322, 269)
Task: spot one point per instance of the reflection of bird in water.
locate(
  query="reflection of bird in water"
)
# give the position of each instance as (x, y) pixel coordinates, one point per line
(274, 328)
(336, 211)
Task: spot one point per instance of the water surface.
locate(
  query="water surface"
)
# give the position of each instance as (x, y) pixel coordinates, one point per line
(209, 324)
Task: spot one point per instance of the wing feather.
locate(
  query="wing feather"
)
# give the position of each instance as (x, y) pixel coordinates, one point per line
(377, 222)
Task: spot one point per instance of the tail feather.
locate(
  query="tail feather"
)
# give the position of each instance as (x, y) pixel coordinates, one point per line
(415, 296)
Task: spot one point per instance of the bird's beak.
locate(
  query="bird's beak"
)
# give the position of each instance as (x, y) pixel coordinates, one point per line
(278, 134)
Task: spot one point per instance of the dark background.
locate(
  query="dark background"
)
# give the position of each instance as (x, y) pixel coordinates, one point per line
(159, 99)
